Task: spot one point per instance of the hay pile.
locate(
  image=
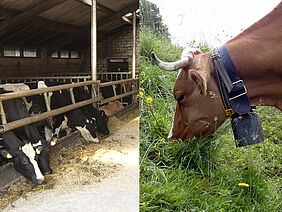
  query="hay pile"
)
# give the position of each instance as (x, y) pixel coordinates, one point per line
(80, 165)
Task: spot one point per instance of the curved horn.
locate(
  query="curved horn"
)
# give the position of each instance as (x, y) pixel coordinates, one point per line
(172, 66)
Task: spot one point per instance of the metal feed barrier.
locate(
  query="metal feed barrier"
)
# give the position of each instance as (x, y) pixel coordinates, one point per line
(72, 77)
(8, 174)
(96, 98)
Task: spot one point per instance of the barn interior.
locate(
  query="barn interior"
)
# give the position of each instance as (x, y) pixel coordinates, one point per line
(80, 42)
(40, 38)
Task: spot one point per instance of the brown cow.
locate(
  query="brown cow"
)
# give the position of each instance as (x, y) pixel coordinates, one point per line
(257, 56)
(112, 107)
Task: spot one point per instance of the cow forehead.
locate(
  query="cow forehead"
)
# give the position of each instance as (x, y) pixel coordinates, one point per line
(28, 150)
(39, 143)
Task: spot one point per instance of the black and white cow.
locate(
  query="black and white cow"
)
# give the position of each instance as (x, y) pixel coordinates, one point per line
(72, 119)
(62, 98)
(80, 94)
(25, 147)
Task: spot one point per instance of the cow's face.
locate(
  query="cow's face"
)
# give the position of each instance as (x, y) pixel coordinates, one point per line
(24, 165)
(199, 110)
(23, 157)
(42, 157)
(88, 132)
(102, 123)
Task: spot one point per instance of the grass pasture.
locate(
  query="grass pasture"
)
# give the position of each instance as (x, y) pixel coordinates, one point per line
(201, 174)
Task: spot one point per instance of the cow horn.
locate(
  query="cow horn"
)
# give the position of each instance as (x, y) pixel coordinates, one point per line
(172, 66)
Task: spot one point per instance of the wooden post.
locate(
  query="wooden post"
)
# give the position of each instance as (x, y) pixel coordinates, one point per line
(93, 41)
(134, 45)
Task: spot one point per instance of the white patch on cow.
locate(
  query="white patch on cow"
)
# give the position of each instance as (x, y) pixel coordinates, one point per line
(41, 84)
(63, 126)
(205, 123)
(86, 134)
(212, 94)
(68, 131)
(15, 87)
(86, 88)
(39, 143)
(48, 133)
(215, 118)
(28, 105)
(170, 132)
(30, 153)
(65, 123)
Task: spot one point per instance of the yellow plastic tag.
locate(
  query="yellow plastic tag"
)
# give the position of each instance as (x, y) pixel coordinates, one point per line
(53, 143)
(37, 151)
(229, 112)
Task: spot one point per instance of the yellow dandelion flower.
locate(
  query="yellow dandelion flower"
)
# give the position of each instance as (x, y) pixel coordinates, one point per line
(243, 185)
(240, 160)
(143, 204)
(141, 94)
(149, 100)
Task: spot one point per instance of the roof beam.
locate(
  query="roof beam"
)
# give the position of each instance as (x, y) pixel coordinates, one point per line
(117, 15)
(100, 7)
(39, 21)
(28, 14)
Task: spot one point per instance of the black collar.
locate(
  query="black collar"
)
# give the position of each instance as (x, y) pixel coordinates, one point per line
(232, 89)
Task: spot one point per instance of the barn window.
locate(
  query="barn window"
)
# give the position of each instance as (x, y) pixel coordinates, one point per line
(118, 65)
(74, 54)
(30, 53)
(55, 54)
(64, 54)
(12, 52)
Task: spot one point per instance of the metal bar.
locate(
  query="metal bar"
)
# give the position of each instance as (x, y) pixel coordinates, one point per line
(94, 40)
(42, 116)
(134, 46)
(104, 101)
(114, 90)
(53, 77)
(72, 96)
(114, 82)
(3, 115)
(32, 92)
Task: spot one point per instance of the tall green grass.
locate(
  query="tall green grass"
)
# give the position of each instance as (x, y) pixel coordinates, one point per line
(200, 174)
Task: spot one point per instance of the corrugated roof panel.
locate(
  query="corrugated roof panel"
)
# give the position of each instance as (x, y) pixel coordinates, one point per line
(68, 12)
(19, 5)
(117, 5)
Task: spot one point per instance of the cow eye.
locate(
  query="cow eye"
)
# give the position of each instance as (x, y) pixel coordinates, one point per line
(179, 98)
(24, 162)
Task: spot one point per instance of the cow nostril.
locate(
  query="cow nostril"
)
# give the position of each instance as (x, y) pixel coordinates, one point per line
(40, 181)
(48, 172)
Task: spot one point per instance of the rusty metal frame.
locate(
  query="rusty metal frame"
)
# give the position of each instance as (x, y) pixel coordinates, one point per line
(50, 113)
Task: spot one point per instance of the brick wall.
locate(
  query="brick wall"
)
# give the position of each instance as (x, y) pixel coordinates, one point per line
(43, 66)
(115, 45)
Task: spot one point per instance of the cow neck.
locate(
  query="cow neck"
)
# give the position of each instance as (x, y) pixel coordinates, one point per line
(256, 54)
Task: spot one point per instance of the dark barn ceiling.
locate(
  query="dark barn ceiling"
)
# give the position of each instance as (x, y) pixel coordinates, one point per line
(59, 24)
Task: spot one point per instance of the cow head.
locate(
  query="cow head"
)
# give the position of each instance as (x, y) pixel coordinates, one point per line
(199, 110)
(102, 122)
(22, 156)
(42, 156)
(88, 132)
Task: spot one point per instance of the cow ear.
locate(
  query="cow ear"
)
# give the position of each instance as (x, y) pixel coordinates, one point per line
(200, 77)
(5, 154)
